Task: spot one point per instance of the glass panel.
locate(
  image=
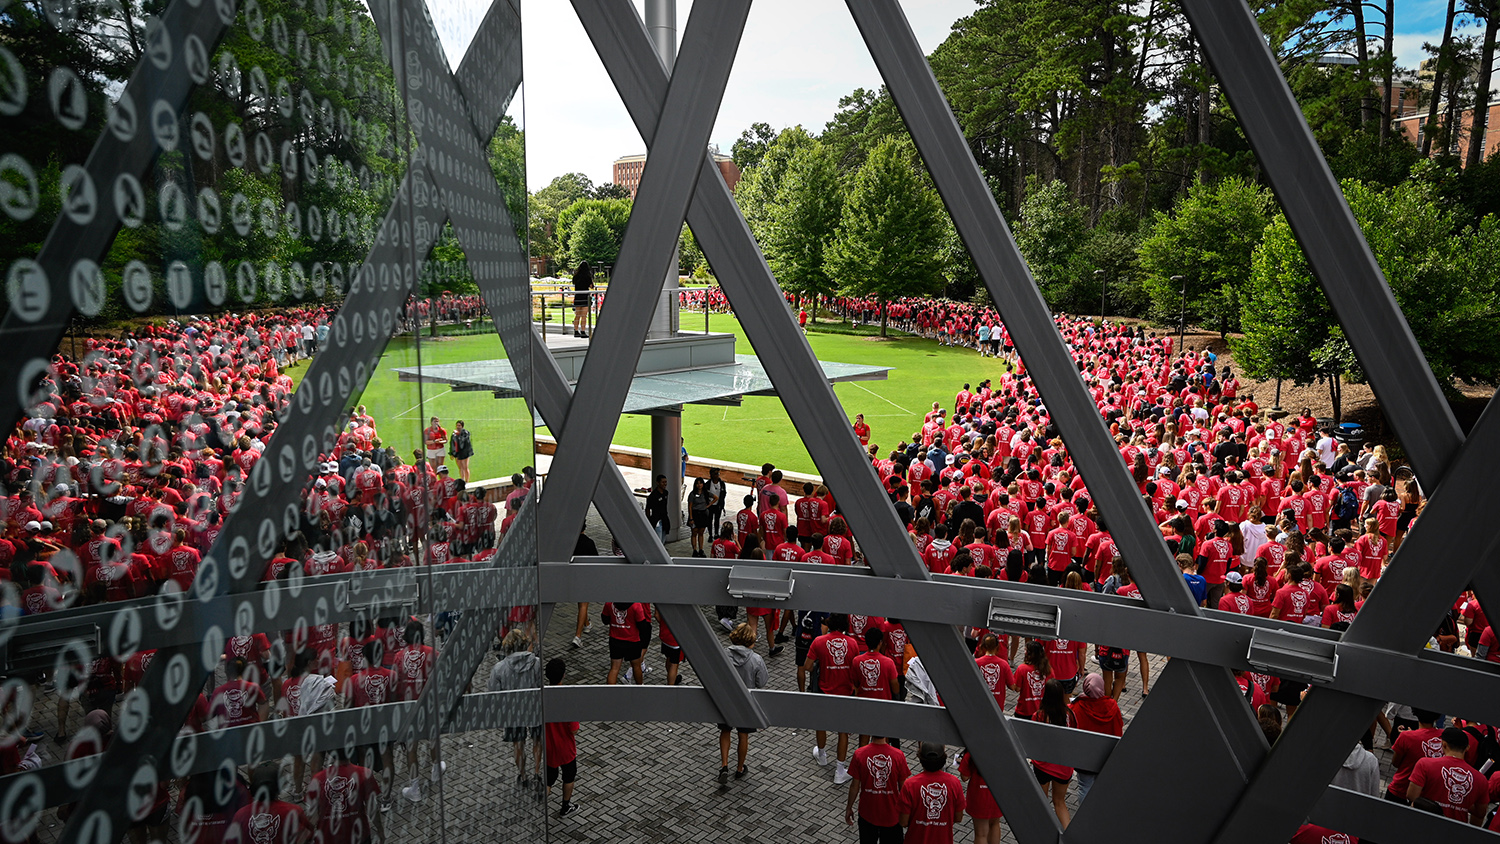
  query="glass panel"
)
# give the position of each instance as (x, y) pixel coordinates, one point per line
(222, 227)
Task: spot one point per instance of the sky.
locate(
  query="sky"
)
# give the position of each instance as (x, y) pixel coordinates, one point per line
(796, 59)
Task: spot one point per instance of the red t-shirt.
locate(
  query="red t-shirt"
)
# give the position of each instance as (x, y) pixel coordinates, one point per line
(344, 796)
(1029, 686)
(1293, 603)
(875, 675)
(1235, 602)
(1411, 746)
(839, 547)
(1059, 544)
(1451, 783)
(881, 770)
(277, 823)
(562, 743)
(934, 802)
(370, 687)
(996, 673)
(623, 621)
(834, 654)
(236, 702)
(788, 552)
(1310, 834)
(1218, 551)
(1062, 655)
(413, 665)
(981, 802)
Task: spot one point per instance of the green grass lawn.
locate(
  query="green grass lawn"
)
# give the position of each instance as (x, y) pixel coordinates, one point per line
(755, 432)
(500, 428)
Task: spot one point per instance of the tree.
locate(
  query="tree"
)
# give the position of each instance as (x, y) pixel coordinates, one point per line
(1489, 12)
(1446, 280)
(890, 232)
(610, 190)
(592, 241)
(1208, 239)
(1441, 62)
(614, 212)
(759, 190)
(689, 254)
(751, 146)
(803, 222)
(1050, 233)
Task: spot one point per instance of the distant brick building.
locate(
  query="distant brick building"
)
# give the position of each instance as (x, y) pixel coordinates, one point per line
(627, 172)
(1414, 126)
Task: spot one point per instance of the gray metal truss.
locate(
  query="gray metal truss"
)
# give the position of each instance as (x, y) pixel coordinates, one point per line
(1198, 722)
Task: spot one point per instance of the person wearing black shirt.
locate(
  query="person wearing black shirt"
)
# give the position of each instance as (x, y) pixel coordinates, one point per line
(966, 508)
(584, 547)
(658, 513)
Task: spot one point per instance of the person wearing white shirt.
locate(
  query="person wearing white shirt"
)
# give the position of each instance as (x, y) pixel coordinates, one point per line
(1328, 448)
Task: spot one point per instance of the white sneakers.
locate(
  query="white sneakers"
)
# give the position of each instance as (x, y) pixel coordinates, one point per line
(437, 771)
(820, 756)
(841, 774)
(577, 641)
(413, 792)
(728, 624)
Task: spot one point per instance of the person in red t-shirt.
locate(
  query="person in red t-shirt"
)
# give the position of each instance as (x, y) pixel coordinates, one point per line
(1059, 544)
(628, 630)
(1411, 746)
(877, 773)
(746, 522)
(1235, 600)
(1030, 678)
(342, 800)
(413, 667)
(562, 746)
(932, 801)
(268, 818)
(236, 701)
(435, 438)
(832, 657)
(994, 668)
(1450, 782)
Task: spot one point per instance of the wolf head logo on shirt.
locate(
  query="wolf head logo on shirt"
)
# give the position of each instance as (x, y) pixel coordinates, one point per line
(234, 703)
(870, 670)
(880, 770)
(374, 688)
(838, 649)
(412, 663)
(341, 794)
(934, 799)
(1459, 782)
(1336, 838)
(264, 826)
(991, 674)
(1432, 748)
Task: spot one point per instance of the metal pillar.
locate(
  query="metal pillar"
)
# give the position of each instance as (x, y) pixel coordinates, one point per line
(666, 459)
(661, 25)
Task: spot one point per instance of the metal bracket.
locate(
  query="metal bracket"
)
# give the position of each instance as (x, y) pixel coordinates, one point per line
(760, 583)
(1293, 657)
(1029, 618)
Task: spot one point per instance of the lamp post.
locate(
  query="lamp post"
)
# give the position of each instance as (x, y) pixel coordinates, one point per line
(1182, 320)
(1103, 290)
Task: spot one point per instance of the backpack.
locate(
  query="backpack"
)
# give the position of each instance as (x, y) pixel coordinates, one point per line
(1346, 506)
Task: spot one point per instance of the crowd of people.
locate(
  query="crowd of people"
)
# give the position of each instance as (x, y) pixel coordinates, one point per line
(118, 483)
(1266, 515)
(128, 464)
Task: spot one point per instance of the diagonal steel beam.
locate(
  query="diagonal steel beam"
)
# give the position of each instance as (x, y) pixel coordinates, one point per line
(1441, 554)
(484, 228)
(33, 327)
(646, 255)
(747, 280)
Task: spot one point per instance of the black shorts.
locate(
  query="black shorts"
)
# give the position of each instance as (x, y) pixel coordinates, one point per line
(580, 300)
(1112, 663)
(569, 771)
(1068, 685)
(803, 647)
(515, 734)
(701, 520)
(871, 834)
(1042, 777)
(623, 649)
(744, 731)
(370, 757)
(673, 653)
